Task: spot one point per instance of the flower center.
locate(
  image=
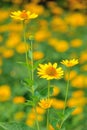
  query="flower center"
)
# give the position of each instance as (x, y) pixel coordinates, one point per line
(51, 71)
(24, 15)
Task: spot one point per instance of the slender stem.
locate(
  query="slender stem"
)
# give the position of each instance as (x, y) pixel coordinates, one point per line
(48, 108)
(67, 88)
(26, 54)
(32, 78)
(32, 62)
(66, 96)
(37, 123)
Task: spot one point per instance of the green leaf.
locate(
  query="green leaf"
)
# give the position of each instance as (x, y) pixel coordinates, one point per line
(25, 64)
(14, 126)
(28, 82)
(37, 63)
(68, 112)
(29, 103)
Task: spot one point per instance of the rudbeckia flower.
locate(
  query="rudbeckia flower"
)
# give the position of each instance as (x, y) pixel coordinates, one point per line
(45, 103)
(23, 15)
(70, 63)
(50, 71)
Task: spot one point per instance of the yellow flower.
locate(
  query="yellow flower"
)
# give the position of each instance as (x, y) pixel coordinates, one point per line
(19, 116)
(57, 104)
(78, 93)
(7, 53)
(76, 43)
(77, 111)
(51, 127)
(40, 110)
(62, 46)
(23, 15)
(30, 122)
(56, 91)
(21, 48)
(5, 93)
(37, 55)
(45, 103)
(18, 100)
(70, 63)
(50, 71)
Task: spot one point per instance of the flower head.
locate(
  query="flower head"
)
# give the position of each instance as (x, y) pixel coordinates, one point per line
(70, 63)
(50, 71)
(45, 103)
(23, 15)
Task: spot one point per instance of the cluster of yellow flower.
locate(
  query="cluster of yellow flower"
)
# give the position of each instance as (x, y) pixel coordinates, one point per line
(47, 71)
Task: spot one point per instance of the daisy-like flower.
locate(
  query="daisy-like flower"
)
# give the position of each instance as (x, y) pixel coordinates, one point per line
(45, 103)
(23, 15)
(70, 63)
(50, 71)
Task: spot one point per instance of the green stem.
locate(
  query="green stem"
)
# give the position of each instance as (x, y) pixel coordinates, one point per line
(48, 108)
(32, 62)
(32, 78)
(66, 96)
(67, 88)
(26, 54)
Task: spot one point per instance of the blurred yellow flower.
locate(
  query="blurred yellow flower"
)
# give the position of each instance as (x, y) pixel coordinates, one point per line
(62, 46)
(37, 55)
(23, 15)
(7, 53)
(77, 4)
(1, 62)
(45, 103)
(57, 10)
(56, 91)
(40, 110)
(78, 81)
(18, 100)
(53, 42)
(12, 41)
(73, 18)
(70, 63)
(51, 127)
(83, 57)
(84, 67)
(77, 111)
(16, 1)
(74, 101)
(1, 38)
(29, 122)
(5, 93)
(42, 35)
(73, 74)
(78, 94)
(58, 104)
(32, 115)
(58, 24)
(33, 7)
(76, 43)
(3, 14)
(19, 115)
(21, 48)
(50, 71)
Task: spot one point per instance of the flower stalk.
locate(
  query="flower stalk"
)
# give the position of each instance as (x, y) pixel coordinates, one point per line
(67, 88)
(26, 53)
(32, 79)
(48, 108)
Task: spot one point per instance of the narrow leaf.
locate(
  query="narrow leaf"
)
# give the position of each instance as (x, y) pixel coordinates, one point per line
(14, 126)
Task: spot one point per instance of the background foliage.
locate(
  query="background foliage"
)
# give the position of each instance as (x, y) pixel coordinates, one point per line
(59, 33)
